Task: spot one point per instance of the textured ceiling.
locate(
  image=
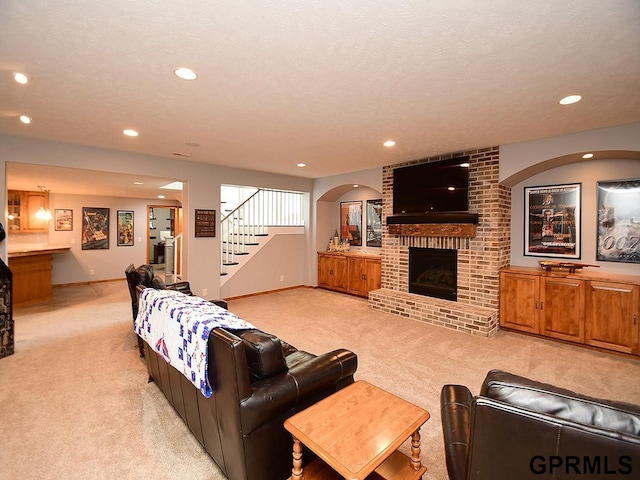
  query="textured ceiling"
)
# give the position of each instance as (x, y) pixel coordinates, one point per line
(320, 82)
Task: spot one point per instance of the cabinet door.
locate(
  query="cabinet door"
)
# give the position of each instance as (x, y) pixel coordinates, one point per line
(374, 274)
(14, 210)
(357, 276)
(34, 201)
(612, 316)
(519, 298)
(340, 273)
(562, 309)
(324, 271)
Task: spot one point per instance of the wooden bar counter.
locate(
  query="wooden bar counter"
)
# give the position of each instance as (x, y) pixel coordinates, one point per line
(31, 270)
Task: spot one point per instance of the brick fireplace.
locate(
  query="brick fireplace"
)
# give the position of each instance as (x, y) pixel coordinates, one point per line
(481, 252)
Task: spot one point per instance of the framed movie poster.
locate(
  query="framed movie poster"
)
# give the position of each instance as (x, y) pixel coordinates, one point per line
(552, 221)
(374, 223)
(95, 228)
(619, 221)
(125, 228)
(351, 222)
(63, 219)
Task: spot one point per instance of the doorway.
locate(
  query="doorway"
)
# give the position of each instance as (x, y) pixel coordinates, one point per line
(163, 228)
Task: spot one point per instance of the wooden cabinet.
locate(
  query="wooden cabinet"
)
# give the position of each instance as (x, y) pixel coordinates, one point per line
(587, 308)
(612, 316)
(356, 274)
(365, 274)
(22, 211)
(332, 272)
(519, 302)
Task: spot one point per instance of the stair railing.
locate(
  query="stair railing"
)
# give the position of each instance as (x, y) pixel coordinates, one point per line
(243, 226)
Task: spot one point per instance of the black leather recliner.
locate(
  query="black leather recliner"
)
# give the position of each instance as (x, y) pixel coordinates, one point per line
(519, 428)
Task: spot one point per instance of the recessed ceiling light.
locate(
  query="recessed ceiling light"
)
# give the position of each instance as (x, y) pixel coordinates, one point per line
(185, 73)
(587, 155)
(192, 144)
(355, 185)
(138, 183)
(161, 196)
(301, 165)
(570, 99)
(130, 133)
(21, 78)
(389, 143)
(25, 119)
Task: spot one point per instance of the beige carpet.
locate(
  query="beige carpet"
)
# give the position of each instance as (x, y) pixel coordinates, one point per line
(75, 404)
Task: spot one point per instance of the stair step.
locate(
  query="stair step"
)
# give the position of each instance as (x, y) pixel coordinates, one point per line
(223, 274)
(235, 253)
(229, 264)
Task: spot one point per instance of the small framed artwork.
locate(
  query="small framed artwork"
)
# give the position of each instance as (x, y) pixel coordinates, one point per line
(125, 228)
(351, 222)
(95, 228)
(374, 223)
(63, 219)
(552, 221)
(205, 222)
(619, 221)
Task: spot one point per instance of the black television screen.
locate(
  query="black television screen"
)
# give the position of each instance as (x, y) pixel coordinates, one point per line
(435, 187)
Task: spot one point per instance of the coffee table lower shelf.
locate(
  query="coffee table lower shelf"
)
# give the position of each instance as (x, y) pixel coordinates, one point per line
(396, 467)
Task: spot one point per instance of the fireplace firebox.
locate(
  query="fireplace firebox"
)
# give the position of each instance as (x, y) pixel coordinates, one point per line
(433, 272)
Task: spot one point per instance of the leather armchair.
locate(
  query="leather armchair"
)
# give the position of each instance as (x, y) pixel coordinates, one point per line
(519, 428)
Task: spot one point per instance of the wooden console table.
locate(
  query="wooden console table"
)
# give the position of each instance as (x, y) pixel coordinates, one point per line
(356, 432)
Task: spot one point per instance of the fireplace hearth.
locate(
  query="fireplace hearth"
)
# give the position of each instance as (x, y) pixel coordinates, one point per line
(433, 272)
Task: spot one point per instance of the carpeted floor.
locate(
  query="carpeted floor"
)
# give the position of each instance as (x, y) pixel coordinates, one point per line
(75, 402)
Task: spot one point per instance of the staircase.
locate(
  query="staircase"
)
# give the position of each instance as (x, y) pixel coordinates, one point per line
(246, 228)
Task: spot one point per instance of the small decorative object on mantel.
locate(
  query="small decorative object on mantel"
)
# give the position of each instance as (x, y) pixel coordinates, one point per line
(572, 267)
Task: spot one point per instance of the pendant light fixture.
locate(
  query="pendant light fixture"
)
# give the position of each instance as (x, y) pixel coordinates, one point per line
(43, 212)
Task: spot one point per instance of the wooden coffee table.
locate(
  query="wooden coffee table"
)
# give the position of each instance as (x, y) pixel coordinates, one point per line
(356, 432)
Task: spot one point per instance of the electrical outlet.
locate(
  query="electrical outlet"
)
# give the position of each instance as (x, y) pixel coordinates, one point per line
(205, 292)
(282, 278)
(92, 272)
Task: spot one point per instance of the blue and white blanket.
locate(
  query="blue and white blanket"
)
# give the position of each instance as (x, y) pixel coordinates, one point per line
(177, 326)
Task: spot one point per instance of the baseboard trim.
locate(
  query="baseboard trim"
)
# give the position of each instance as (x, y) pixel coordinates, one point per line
(266, 292)
(75, 284)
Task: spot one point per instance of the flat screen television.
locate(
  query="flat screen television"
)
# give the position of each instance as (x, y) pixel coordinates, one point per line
(434, 187)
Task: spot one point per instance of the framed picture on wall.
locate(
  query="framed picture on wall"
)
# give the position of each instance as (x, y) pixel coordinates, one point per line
(351, 222)
(619, 221)
(63, 219)
(374, 223)
(552, 221)
(125, 228)
(95, 228)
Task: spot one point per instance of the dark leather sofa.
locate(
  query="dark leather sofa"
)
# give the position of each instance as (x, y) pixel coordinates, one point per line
(260, 381)
(520, 429)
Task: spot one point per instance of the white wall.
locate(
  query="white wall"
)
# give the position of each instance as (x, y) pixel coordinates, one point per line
(202, 190)
(75, 265)
(588, 173)
(279, 264)
(519, 161)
